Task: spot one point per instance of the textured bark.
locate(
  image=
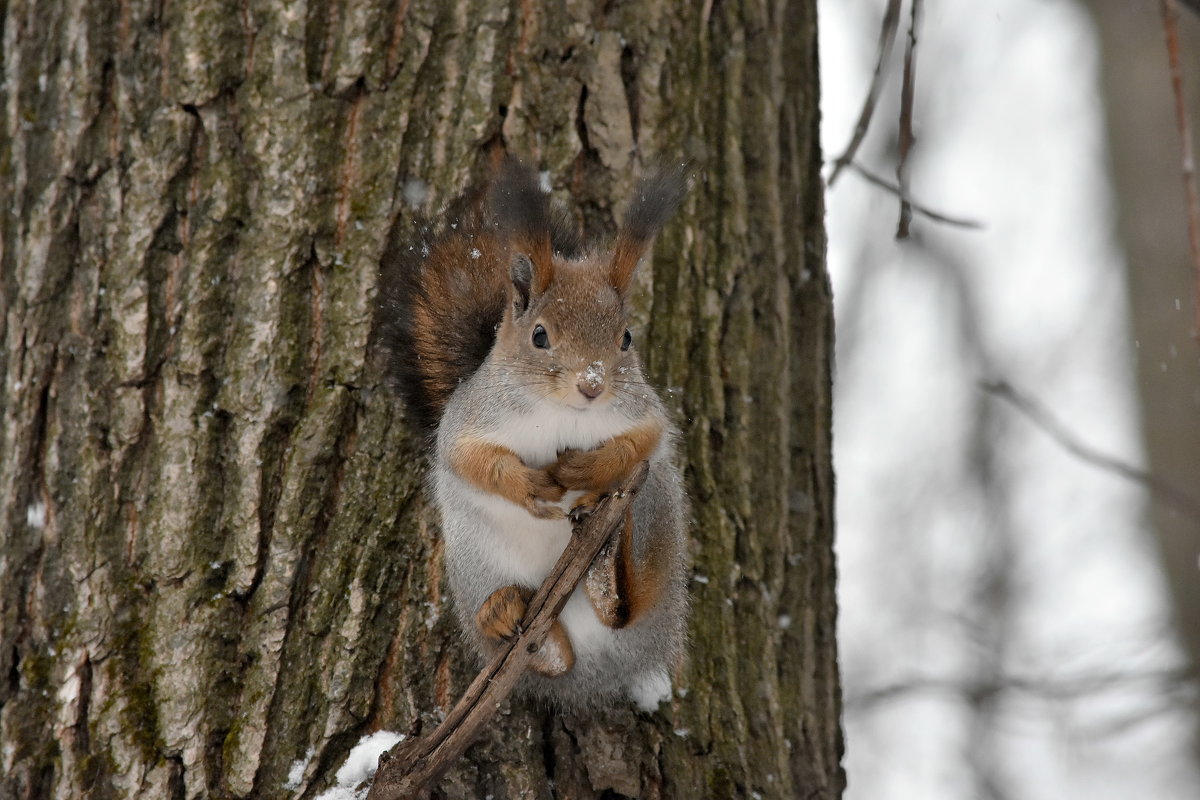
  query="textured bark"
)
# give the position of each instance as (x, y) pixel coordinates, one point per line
(1152, 222)
(216, 557)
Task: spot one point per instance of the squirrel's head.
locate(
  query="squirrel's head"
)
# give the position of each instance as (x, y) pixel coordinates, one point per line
(566, 325)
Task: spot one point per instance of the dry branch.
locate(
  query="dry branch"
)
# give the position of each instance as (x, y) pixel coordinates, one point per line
(887, 37)
(412, 765)
(1170, 16)
(1048, 687)
(1167, 493)
(907, 140)
(920, 208)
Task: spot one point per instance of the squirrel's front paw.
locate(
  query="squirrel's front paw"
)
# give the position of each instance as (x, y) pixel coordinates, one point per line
(543, 492)
(574, 469)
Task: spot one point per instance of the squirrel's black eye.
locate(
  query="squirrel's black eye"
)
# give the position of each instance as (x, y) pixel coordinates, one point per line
(540, 338)
(626, 340)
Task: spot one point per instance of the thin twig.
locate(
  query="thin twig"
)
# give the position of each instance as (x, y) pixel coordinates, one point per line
(1170, 15)
(887, 38)
(907, 140)
(410, 767)
(923, 210)
(1063, 687)
(1167, 493)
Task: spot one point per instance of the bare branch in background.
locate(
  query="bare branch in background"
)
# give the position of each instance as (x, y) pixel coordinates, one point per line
(923, 210)
(887, 37)
(1192, 5)
(1170, 16)
(907, 140)
(1171, 495)
(1065, 687)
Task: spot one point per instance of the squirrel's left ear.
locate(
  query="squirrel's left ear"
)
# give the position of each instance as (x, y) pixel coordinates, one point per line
(654, 201)
(520, 272)
(521, 210)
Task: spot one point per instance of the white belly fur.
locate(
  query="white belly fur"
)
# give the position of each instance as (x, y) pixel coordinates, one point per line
(526, 547)
(525, 550)
(538, 437)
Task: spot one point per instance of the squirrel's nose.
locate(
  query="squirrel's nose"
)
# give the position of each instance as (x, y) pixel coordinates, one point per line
(589, 388)
(591, 380)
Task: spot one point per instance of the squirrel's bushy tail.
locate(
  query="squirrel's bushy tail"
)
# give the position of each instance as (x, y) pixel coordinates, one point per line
(441, 295)
(442, 287)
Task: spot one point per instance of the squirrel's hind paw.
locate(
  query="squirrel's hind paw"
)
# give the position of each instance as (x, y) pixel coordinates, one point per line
(499, 618)
(555, 656)
(500, 615)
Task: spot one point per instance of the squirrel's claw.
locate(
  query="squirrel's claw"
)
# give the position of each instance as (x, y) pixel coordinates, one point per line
(584, 506)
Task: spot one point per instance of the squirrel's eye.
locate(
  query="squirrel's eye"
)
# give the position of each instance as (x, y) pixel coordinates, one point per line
(626, 340)
(540, 338)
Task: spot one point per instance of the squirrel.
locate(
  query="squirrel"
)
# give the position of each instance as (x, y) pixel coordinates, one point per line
(508, 341)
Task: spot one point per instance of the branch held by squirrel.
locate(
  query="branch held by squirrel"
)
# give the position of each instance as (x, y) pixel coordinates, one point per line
(409, 768)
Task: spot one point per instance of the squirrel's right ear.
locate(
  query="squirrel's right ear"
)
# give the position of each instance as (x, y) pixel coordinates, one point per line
(654, 201)
(520, 272)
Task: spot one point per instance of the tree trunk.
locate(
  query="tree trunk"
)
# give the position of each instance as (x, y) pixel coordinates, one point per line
(1151, 219)
(217, 560)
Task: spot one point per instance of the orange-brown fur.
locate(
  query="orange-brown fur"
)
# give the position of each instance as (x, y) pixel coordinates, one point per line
(612, 462)
(618, 590)
(626, 255)
(599, 471)
(498, 470)
(481, 285)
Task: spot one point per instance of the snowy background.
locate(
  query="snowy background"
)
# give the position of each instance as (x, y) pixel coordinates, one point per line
(1004, 625)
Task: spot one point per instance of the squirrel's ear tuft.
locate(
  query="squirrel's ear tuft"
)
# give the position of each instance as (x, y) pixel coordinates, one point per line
(520, 209)
(520, 272)
(654, 201)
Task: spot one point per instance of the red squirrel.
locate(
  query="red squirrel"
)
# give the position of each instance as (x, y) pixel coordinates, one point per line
(509, 341)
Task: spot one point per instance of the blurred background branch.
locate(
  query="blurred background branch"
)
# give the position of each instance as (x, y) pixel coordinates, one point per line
(1020, 607)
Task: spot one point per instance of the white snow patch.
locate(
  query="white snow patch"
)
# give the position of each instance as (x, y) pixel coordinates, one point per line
(650, 688)
(35, 515)
(68, 693)
(360, 765)
(594, 374)
(296, 772)
(415, 192)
